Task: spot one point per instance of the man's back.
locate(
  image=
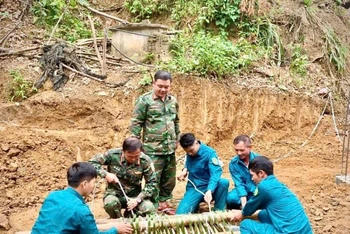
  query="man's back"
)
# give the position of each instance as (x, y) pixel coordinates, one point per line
(65, 212)
(282, 207)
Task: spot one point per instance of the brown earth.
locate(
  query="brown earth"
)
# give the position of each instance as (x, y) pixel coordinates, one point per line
(42, 136)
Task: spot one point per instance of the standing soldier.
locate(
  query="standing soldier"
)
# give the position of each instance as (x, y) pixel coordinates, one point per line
(156, 115)
(126, 167)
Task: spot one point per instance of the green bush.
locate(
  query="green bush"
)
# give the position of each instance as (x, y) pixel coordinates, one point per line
(19, 88)
(210, 55)
(71, 27)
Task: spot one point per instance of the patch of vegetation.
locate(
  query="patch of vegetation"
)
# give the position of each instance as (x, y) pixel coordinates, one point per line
(144, 9)
(19, 88)
(307, 3)
(211, 55)
(336, 50)
(71, 27)
(299, 61)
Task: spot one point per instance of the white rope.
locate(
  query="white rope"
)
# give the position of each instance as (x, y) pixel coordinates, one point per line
(93, 195)
(195, 187)
(333, 117)
(307, 140)
(126, 197)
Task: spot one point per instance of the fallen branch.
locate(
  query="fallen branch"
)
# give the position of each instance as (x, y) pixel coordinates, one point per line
(81, 73)
(95, 45)
(107, 15)
(4, 39)
(16, 52)
(95, 59)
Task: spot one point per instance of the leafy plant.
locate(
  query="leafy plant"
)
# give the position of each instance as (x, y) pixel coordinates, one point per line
(299, 62)
(336, 50)
(72, 26)
(19, 88)
(307, 3)
(146, 79)
(144, 9)
(210, 55)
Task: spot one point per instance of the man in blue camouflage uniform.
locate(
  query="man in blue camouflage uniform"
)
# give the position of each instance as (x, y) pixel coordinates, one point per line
(65, 211)
(128, 166)
(204, 171)
(156, 116)
(277, 208)
(238, 167)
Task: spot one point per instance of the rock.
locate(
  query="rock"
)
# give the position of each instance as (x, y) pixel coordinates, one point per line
(5, 148)
(327, 228)
(318, 218)
(102, 93)
(334, 203)
(4, 222)
(325, 208)
(13, 152)
(9, 194)
(347, 199)
(13, 167)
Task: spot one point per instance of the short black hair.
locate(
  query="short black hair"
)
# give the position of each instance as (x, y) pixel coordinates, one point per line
(131, 144)
(187, 140)
(162, 75)
(244, 138)
(79, 172)
(261, 163)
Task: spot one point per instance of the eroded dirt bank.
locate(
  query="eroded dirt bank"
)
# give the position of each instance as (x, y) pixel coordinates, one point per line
(42, 136)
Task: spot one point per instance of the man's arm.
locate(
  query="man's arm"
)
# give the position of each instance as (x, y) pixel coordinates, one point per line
(215, 172)
(98, 161)
(257, 202)
(138, 118)
(87, 224)
(176, 123)
(237, 179)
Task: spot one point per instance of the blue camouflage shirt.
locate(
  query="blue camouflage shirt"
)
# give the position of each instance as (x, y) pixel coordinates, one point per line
(204, 168)
(241, 176)
(282, 207)
(65, 212)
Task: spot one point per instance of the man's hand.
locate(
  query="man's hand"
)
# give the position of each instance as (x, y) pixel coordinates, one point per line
(132, 203)
(208, 196)
(123, 228)
(111, 178)
(236, 215)
(182, 175)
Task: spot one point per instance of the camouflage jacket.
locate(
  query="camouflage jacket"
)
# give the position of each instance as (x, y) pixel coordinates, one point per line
(129, 175)
(159, 123)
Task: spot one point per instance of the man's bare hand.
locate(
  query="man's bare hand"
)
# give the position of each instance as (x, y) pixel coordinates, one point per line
(111, 178)
(182, 175)
(123, 228)
(236, 215)
(132, 203)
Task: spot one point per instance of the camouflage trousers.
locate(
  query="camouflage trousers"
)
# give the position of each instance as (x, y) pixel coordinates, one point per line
(113, 206)
(165, 166)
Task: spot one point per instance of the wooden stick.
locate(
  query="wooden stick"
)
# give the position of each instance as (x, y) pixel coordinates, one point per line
(107, 15)
(95, 42)
(104, 49)
(95, 59)
(19, 51)
(82, 73)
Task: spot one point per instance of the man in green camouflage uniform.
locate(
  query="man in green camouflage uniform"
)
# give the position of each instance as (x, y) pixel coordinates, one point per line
(127, 165)
(156, 115)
